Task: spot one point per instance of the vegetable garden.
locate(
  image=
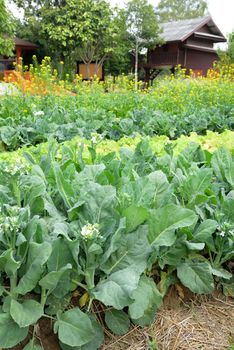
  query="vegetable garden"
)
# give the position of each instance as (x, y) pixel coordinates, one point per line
(108, 199)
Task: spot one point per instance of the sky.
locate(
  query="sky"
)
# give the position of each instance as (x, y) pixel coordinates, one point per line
(222, 12)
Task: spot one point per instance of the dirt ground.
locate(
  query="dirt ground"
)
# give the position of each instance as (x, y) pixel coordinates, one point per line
(184, 322)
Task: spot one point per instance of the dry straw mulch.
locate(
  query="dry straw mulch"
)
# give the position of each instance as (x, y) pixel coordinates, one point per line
(194, 323)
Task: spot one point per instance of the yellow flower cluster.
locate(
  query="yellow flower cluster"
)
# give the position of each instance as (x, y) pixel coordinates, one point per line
(179, 88)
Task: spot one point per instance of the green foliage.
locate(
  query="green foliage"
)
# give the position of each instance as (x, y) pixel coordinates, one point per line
(142, 23)
(83, 28)
(230, 50)
(7, 28)
(119, 61)
(74, 327)
(117, 321)
(172, 10)
(32, 346)
(10, 333)
(115, 220)
(76, 30)
(142, 27)
(173, 108)
(78, 222)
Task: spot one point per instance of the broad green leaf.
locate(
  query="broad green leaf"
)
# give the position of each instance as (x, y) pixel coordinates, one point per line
(197, 183)
(34, 194)
(223, 165)
(172, 255)
(160, 188)
(74, 327)
(37, 257)
(115, 240)
(54, 304)
(8, 263)
(95, 343)
(135, 216)
(32, 346)
(129, 252)
(151, 191)
(227, 210)
(27, 313)
(205, 230)
(99, 202)
(6, 303)
(64, 187)
(91, 173)
(222, 273)
(60, 256)
(196, 276)
(146, 298)
(117, 321)
(51, 280)
(164, 221)
(117, 289)
(10, 333)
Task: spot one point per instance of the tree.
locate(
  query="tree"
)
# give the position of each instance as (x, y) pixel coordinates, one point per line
(173, 10)
(76, 29)
(230, 50)
(119, 61)
(226, 56)
(7, 28)
(143, 28)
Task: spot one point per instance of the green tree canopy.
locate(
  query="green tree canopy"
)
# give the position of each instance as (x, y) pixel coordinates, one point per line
(173, 10)
(143, 28)
(77, 29)
(119, 61)
(230, 50)
(7, 28)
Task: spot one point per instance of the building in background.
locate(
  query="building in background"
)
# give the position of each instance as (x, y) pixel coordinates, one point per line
(189, 43)
(24, 49)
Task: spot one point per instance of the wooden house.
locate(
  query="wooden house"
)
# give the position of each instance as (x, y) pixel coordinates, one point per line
(189, 43)
(23, 49)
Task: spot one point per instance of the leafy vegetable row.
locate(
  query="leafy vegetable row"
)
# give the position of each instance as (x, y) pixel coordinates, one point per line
(211, 142)
(33, 120)
(117, 231)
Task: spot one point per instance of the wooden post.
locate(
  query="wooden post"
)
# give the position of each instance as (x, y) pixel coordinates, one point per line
(18, 54)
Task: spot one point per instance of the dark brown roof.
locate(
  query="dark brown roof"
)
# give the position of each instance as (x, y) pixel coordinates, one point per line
(24, 43)
(181, 30)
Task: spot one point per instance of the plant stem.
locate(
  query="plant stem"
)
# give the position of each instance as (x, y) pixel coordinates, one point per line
(80, 284)
(43, 296)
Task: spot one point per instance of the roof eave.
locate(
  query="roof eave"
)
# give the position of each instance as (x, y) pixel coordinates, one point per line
(200, 25)
(200, 48)
(214, 38)
(206, 21)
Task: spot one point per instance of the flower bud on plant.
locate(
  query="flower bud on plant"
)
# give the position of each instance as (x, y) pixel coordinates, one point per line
(90, 231)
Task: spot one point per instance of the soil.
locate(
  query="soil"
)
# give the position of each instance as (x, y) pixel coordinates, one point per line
(184, 322)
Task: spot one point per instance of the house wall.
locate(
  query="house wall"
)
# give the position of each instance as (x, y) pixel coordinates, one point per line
(200, 60)
(204, 29)
(166, 54)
